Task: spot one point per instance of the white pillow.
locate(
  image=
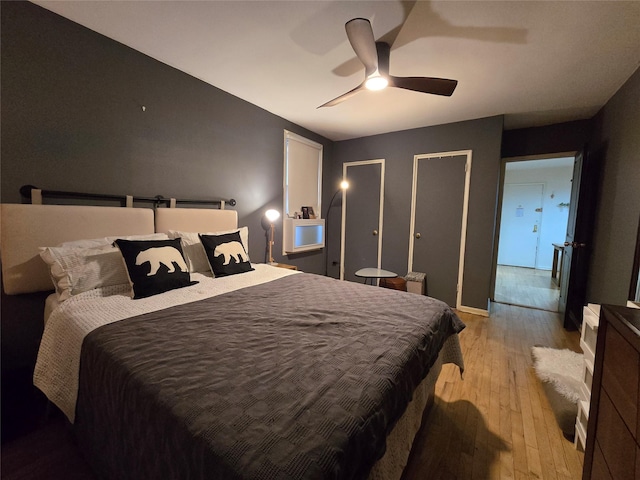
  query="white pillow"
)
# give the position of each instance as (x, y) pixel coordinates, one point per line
(194, 250)
(83, 265)
(99, 242)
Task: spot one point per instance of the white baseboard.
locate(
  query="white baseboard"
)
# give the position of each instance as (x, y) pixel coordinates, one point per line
(473, 310)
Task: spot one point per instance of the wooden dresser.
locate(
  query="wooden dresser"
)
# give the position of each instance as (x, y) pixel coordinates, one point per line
(613, 446)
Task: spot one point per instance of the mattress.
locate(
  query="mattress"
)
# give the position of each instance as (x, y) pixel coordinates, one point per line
(50, 304)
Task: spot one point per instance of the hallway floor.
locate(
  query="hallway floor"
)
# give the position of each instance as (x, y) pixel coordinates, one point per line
(526, 287)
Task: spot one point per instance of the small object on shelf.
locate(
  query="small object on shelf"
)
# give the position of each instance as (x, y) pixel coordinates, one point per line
(308, 213)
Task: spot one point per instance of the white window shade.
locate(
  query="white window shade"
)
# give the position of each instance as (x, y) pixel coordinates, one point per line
(302, 174)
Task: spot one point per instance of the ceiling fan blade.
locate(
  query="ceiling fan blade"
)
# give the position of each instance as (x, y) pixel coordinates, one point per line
(375, 57)
(360, 36)
(343, 97)
(435, 86)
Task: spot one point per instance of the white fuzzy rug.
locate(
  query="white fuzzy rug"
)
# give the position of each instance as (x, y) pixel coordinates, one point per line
(562, 368)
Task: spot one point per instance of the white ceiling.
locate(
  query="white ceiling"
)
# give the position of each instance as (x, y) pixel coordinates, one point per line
(536, 62)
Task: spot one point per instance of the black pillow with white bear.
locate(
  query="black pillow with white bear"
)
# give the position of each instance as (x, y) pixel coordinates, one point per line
(154, 266)
(226, 254)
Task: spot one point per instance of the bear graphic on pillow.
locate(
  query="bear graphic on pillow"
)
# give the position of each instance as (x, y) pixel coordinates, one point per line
(157, 256)
(231, 250)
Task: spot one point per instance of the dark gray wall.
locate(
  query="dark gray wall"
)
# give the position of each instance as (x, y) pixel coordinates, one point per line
(613, 139)
(72, 120)
(483, 136)
(616, 140)
(558, 138)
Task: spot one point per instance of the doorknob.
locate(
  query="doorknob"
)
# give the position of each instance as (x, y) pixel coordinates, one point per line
(418, 235)
(375, 232)
(575, 244)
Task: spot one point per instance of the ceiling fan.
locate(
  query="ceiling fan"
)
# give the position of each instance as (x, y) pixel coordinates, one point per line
(375, 58)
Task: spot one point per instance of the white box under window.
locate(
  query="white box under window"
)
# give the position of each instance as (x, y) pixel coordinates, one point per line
(302, 235)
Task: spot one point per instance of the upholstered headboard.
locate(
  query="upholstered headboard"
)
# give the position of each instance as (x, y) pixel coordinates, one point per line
(24, 228)
(195, 220)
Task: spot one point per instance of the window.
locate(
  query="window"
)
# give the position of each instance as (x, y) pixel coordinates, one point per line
(302, 175)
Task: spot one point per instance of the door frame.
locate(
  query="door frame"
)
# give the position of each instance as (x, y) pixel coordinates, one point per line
(498, 221)
(344, 209)
(465, 211)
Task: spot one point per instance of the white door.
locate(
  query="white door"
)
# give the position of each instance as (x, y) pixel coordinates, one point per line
(520, 224)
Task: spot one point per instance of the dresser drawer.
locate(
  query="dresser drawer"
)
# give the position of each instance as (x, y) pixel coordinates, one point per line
(620, 376)
(616, 442)
(600, 469)
(612, 449)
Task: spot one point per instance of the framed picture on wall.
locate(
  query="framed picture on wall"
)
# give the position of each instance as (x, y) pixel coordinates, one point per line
(307, 212)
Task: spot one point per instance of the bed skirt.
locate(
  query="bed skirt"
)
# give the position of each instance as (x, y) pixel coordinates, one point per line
(400, 440)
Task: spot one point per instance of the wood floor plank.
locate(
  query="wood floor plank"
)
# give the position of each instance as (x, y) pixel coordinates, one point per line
(520, 462)
(508, 430)
(506, 464)
(555, 435)
(545, 452)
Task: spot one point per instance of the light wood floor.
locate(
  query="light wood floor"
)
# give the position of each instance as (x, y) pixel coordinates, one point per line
(527, 287)
(496, 423)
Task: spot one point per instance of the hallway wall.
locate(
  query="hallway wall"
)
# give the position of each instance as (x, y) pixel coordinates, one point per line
(557, 189)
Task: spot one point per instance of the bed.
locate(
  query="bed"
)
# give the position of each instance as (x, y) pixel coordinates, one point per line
(263, 374)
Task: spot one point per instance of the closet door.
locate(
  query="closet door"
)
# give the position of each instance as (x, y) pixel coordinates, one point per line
(438, 227)
(362, 214)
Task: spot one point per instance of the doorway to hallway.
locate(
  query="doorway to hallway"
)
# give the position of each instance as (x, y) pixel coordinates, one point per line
(534, 211)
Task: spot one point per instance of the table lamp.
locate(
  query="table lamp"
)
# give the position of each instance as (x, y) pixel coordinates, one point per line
(272, 215)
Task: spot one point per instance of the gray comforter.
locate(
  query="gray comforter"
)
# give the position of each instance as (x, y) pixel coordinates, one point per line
(299, 378)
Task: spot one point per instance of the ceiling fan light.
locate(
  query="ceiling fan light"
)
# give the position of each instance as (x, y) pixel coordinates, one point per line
(376, 82)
